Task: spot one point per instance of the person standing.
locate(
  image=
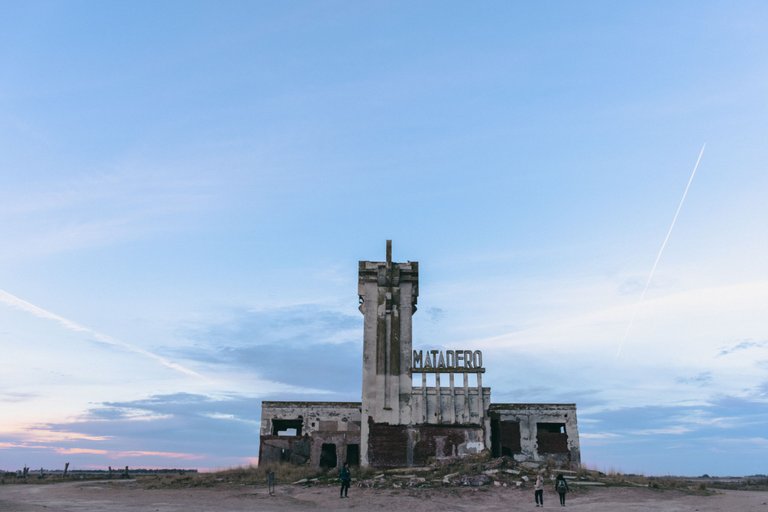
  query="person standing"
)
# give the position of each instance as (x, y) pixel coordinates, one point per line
(538, 490)
(346, 477)
(561, 486)
(271, 482)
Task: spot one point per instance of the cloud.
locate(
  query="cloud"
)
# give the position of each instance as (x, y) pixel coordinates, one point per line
(701, 378)
(16, 397)
(5, 445)
(305, 346)
(46, 434)
(96, 209)
(676, 430)
(157, 431)
(681, 436)
(742, 345)
(293, 326)
(79, 451)
(18, 303)
(308, 347)
(435, 314)
(126, 454)
(163, 455)
(598, 435)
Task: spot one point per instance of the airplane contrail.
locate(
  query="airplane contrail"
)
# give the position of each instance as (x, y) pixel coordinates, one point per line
(39, 312)
(658, 255)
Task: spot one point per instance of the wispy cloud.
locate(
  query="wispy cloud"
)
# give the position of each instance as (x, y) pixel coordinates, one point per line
(164, 455)
(125, 454)
(4, 445)
(46, 434)
(54, 216)
(79, 451)
(743, 345)
(677, 430)
(16, 302)
(598, 435)
(322, 347)
(701, 378)
(16, 397)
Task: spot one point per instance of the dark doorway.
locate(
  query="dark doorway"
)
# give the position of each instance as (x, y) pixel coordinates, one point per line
(353, 454)
(505, 437)
(328, 456)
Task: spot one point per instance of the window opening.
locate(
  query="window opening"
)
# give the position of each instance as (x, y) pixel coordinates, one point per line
(288, 428)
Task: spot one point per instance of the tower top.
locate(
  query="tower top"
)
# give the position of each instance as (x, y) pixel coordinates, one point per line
(389, 253)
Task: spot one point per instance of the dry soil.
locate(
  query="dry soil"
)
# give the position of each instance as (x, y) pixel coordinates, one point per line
(129, 496)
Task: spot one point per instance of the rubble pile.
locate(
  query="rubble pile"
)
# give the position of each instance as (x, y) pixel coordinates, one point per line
(469, 472)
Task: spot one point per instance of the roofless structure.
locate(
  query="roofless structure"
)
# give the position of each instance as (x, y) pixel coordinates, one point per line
(416, 405)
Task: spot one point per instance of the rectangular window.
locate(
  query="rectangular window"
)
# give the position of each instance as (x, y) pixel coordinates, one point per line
(288, 428)
(551, 438)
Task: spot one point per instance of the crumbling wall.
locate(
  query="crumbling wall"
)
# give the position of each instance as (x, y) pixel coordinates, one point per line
(547, 432)
(416, 445)
(296, 432)
(387, 445)
(442, 442)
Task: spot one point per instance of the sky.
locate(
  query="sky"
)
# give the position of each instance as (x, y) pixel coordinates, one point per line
(186, 189)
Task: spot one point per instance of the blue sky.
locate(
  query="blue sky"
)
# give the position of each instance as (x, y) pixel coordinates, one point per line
(186, 189)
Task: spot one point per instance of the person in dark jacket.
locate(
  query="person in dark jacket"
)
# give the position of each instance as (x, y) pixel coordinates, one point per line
(561, 486)
(346, 477)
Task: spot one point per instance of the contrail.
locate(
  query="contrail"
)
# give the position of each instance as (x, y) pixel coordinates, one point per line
(39, 312)
(658, 256)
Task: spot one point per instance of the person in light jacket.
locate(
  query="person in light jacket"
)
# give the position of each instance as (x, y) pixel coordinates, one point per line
(538, 490)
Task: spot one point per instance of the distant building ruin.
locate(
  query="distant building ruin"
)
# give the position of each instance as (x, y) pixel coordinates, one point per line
(416, 405)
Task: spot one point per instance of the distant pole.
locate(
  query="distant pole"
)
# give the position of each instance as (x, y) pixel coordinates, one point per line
(66, 467)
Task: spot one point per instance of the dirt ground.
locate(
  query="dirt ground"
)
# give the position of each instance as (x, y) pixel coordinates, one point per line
(128, 496)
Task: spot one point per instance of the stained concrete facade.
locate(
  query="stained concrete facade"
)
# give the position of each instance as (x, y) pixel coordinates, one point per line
(535, 432)
(416, 405)
(319, 433)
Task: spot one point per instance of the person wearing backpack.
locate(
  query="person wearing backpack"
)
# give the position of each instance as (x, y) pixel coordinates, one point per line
(346, 477)
(561, 486)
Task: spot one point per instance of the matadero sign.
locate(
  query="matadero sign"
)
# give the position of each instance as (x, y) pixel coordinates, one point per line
(447, 361)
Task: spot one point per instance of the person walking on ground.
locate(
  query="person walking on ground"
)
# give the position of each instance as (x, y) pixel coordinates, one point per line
(561, 486)
(346, 477)
(538, 490)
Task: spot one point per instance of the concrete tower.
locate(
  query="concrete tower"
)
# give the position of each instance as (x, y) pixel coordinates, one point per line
(388, 293)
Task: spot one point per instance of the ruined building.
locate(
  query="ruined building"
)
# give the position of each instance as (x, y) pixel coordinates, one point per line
(416, 404)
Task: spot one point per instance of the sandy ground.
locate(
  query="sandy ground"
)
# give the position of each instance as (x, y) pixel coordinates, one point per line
(128, 496)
